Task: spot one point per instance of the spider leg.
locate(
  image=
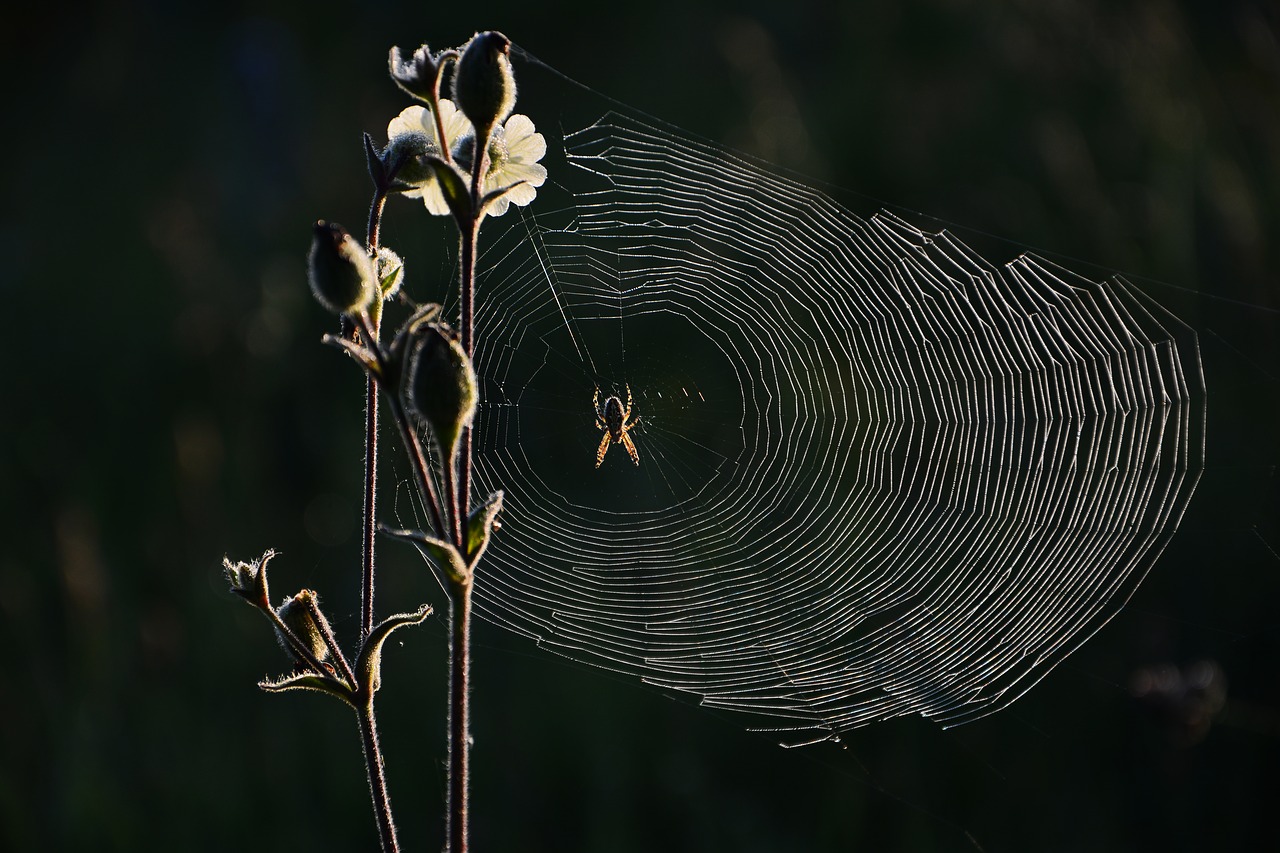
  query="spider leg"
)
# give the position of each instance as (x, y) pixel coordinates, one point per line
(628, 412)
(631, 448)
(604, 448)
(595, 399)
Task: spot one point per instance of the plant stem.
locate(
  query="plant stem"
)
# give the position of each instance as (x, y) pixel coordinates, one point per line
(418, 459)
(370, 496)
(459, 521)
(370, 440)
(459, 715)
(377, 782)
(460, 600)
(470, 240)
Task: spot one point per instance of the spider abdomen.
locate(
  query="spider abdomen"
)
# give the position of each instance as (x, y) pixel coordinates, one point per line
(613, 416)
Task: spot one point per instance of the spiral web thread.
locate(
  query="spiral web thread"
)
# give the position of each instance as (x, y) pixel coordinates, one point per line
(878, 477)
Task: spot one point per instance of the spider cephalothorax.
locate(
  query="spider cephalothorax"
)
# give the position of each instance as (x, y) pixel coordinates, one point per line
(615, 419)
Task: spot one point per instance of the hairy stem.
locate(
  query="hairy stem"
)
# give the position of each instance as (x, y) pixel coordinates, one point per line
(370, 496)
(370, 440)
(418, 459)
(460, 600)
(377, 782)
(459, 715)
(457, 518)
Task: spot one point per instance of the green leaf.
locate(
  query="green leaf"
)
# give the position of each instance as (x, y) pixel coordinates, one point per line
(369, 663)
(438, 551)
(390, 271)
(311, 681)
(480, 524)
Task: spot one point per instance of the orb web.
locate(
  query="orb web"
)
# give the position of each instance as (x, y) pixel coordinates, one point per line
(878, 475)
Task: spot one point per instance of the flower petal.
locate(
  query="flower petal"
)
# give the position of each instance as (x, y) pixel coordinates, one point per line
(530, 148)
(497, 207)
(411, 120)
(521, 194)
(455, 123)
(433, 198)
(533, 174)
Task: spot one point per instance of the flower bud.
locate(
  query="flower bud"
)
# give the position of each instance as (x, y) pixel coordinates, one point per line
(417, 75)
(249, 580)
(390, 269)
(341, 274)
(441, 386)
(299, 613)
(484, 86)
(405, 158)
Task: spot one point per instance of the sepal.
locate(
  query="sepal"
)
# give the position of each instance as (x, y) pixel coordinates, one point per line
(368, 670)
(249, 580)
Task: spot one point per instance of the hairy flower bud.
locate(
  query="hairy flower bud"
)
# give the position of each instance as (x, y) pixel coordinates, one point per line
(418, 74)
(440, 387)
(484, 86)
(298, 613)
(341, 273)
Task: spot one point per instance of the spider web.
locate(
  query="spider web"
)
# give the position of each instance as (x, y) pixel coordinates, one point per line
(878, 475)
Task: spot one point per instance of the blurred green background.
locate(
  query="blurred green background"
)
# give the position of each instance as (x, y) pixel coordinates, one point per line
(168, 403)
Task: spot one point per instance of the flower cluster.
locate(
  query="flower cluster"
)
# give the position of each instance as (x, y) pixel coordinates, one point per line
(515, 148)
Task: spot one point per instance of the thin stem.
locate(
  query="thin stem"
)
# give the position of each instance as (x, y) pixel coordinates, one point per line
(456, 516)
(445, 154)
(418, 460)
(470, 239)
(377, 782)
(370, 495)
(330, 641)
(375, 219)
(460, 600)
(296, 645)
(459, 715)
(370, 439)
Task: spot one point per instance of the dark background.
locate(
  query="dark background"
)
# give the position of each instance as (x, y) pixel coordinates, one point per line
(166, 402)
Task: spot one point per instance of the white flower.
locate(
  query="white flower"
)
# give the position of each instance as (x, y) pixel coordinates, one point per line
(414, 124)
(514, 151)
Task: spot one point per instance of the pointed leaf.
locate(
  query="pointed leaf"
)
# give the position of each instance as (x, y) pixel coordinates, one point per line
(481, 523)
(377, 171)
(310, 681)
(369, 663)
(453, 184)
(441, 553)
(390, 271)
(362, 355)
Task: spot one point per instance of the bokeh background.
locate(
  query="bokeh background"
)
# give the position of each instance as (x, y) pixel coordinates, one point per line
(167, 402)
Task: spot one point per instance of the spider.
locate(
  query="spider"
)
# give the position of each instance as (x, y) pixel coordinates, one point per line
(615, 420)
